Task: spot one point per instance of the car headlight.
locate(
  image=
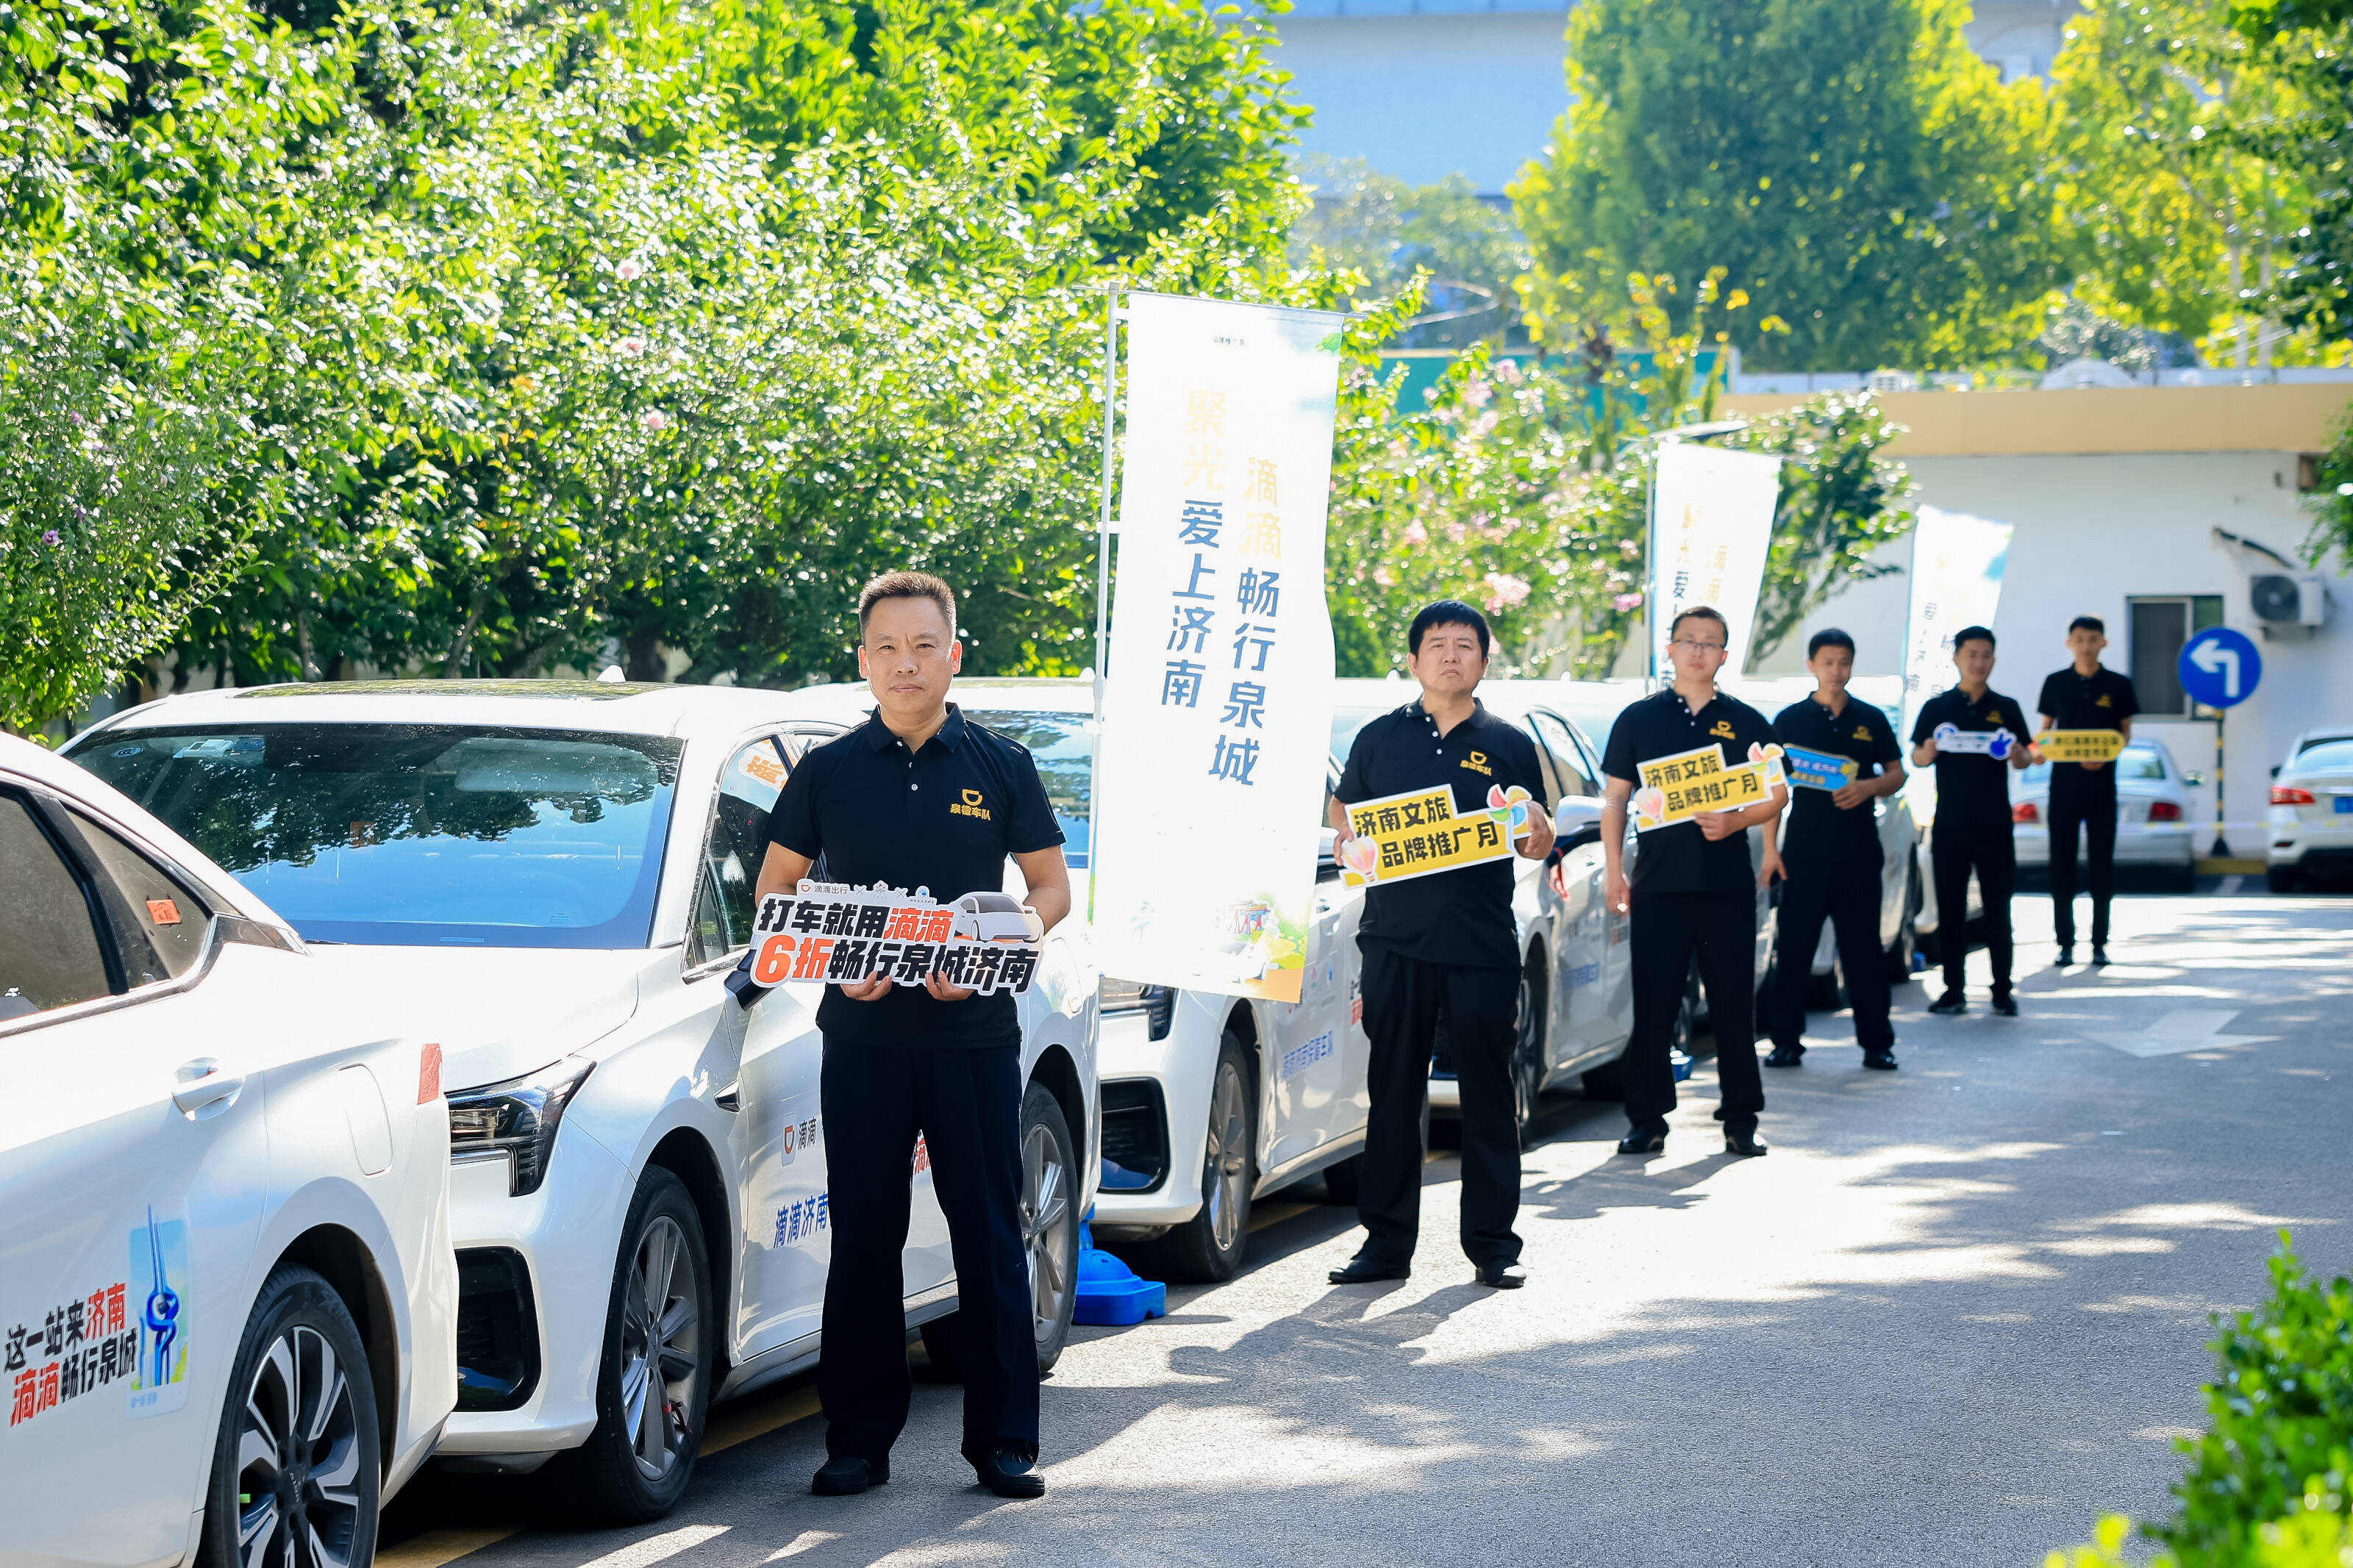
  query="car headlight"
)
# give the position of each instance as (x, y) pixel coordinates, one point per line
(1156, 1003)
(516, 1119)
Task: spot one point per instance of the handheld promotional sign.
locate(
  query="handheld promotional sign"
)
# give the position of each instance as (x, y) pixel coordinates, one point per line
(1416, 834)
(833, 934)
(1954, 740)
(1818, 770)
(2080, 746)
(1690, 784)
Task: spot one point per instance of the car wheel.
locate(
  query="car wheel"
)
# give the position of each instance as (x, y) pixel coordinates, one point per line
(297, 1466)
(1049, 1225)
(2185, 881)
(1209, 1247)
(2281, 878)
(654, 1384)
(1907, 933)
(1527, 1049)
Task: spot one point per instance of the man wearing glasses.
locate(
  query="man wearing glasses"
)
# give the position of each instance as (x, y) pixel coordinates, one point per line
(1693, 892)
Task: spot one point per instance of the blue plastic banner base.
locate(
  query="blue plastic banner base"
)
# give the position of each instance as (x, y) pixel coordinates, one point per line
(1111, 1296)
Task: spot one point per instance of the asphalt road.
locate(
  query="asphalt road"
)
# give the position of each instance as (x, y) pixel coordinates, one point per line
(1960, 1311)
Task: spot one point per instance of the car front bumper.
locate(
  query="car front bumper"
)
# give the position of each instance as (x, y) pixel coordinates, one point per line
(1181, 1064)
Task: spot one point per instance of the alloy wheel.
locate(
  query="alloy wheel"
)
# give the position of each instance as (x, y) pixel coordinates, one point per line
(297, 1458)
(1527, 1053)
(1046, 1223)
(660, 1359)
(1225, 1169)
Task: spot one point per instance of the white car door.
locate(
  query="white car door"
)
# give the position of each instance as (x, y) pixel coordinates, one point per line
(1582, 926)
(132, 1169)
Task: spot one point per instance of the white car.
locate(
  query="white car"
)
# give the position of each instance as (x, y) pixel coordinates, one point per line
(556, 877)
(2153, 825)
(2311, 827)
(227, 1297)
(994, 917)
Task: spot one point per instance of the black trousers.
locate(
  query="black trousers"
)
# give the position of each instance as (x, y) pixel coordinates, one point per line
(1403, 997)
(967, 1104)
(2074, 798)
(1669, 931)
(1953, 853)
(1846, 893)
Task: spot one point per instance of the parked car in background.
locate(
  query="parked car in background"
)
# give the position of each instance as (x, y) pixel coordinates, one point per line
(2310, 834)
(227, 1299)
(2153, 827)
(555, 878)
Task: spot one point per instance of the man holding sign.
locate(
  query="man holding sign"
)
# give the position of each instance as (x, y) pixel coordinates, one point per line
(1705, 778)
(1833, 853)
(2087, 696)
(1440, 940)
(1974, 736)
(919, 799)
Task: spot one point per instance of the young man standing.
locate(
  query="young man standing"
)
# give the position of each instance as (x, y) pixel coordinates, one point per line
(1693, 891)
(1833, 859)
(933, 1058)
(1972, 830)
(2088, 695)
(1444, 943)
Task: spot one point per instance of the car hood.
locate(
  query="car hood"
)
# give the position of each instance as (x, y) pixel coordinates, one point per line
(497, 1011)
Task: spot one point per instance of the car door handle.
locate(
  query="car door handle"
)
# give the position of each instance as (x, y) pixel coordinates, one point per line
(730, 1097)
(202, 1087)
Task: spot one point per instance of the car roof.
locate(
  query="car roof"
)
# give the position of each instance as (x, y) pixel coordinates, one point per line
(850, 703)
(635, 707)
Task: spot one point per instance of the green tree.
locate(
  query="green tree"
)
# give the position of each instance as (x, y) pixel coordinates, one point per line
(1368, 222)
(1851, 160)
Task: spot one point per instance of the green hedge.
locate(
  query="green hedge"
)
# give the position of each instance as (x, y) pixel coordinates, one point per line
(2268, 1480)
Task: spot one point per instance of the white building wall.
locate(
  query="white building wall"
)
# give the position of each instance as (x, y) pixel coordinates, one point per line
(2093, 531)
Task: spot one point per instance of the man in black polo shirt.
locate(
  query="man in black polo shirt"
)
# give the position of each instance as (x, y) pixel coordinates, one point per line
(919, 797)
(1444, 943)
(2088, 695)
(1832, 856)
(1972, 831)
(1693, 891)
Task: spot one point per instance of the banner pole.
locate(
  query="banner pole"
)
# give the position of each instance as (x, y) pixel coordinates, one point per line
(1651, 566)
(1102, 589)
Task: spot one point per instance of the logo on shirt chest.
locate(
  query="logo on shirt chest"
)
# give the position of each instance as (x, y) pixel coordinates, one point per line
(970, 806)
(1863, 731)
(1477, 762)
(2102, 701)
(1722, 729)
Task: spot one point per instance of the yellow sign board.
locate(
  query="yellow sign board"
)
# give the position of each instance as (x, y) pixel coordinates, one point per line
(1417, 833)
(1690, 784)
(2080, 745)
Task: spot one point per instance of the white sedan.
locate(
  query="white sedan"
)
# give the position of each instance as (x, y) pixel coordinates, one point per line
(227, 1297)
(2153, 827)
(556, 877)
(2310, 832)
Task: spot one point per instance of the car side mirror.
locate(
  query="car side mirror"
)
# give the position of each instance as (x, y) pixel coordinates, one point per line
(2193, 780)
(1575, 815)
(2274, 772)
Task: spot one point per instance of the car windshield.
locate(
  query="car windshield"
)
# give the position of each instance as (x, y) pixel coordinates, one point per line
(2329, 757)
(1346, 724)
(2136, 763)
(418, 835)
(1065, 757)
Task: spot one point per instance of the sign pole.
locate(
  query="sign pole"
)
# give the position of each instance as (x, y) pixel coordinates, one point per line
(2222, 817)
(1651, 564)
(1102, 586)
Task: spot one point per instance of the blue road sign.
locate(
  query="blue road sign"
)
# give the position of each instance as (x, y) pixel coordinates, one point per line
(2220, 668)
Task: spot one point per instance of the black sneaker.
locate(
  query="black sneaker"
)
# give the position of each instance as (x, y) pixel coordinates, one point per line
(1642, 1143)
(2007, 1005)
(1952, 1003)
(846, 1475)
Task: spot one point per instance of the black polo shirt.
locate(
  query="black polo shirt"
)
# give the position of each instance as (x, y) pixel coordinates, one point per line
(2095, 702)
(1679, 858)
(1819, 831)
(1455, 917)
(1972, 791)
(867, 811)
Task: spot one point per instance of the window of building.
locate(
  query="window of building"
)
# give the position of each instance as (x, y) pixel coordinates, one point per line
(2158, 627)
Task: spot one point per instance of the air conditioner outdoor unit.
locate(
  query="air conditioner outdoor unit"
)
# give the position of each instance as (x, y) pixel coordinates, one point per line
(2281, 600)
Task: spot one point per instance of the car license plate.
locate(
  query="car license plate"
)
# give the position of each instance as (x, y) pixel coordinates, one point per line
(2345, 805)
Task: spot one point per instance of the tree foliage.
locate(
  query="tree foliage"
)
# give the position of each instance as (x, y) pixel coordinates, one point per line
(1368, 222)
(1851, 161)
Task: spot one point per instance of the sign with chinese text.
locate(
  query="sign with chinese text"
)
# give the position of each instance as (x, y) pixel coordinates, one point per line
(2080, 745)
(1217, 699)
(830, 934)
(1818, 770)
(1689, 784)
(1954, 740)
(1417, 833)
(1714, 521)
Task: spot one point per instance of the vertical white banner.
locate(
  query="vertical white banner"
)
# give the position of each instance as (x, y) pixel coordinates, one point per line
(1713, 513)
(1957, 566)
(1218, 708)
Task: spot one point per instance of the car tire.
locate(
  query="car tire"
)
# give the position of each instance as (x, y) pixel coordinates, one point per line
(2185, 881)
(1343, 1181)
(2281, 878)
(659, 1332)
(1050, 1220)
(1528, 1047)
(298, 1467)
(1907, 933)
(1209, 1247)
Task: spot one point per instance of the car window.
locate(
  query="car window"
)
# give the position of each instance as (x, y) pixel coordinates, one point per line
(1565, 757)
(1550, 776)
(734, 844)
(1059, 744)
(418, 835)
(1346, 720)
(2325, 756)
(2140, 763)
(159, 924)
(50, 952)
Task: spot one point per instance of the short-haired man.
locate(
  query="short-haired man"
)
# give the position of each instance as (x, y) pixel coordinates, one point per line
(1444, 944)
(1693, 892)
(1833, 859)
(1972, 830)
(2086, 695)
(929, 1059)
